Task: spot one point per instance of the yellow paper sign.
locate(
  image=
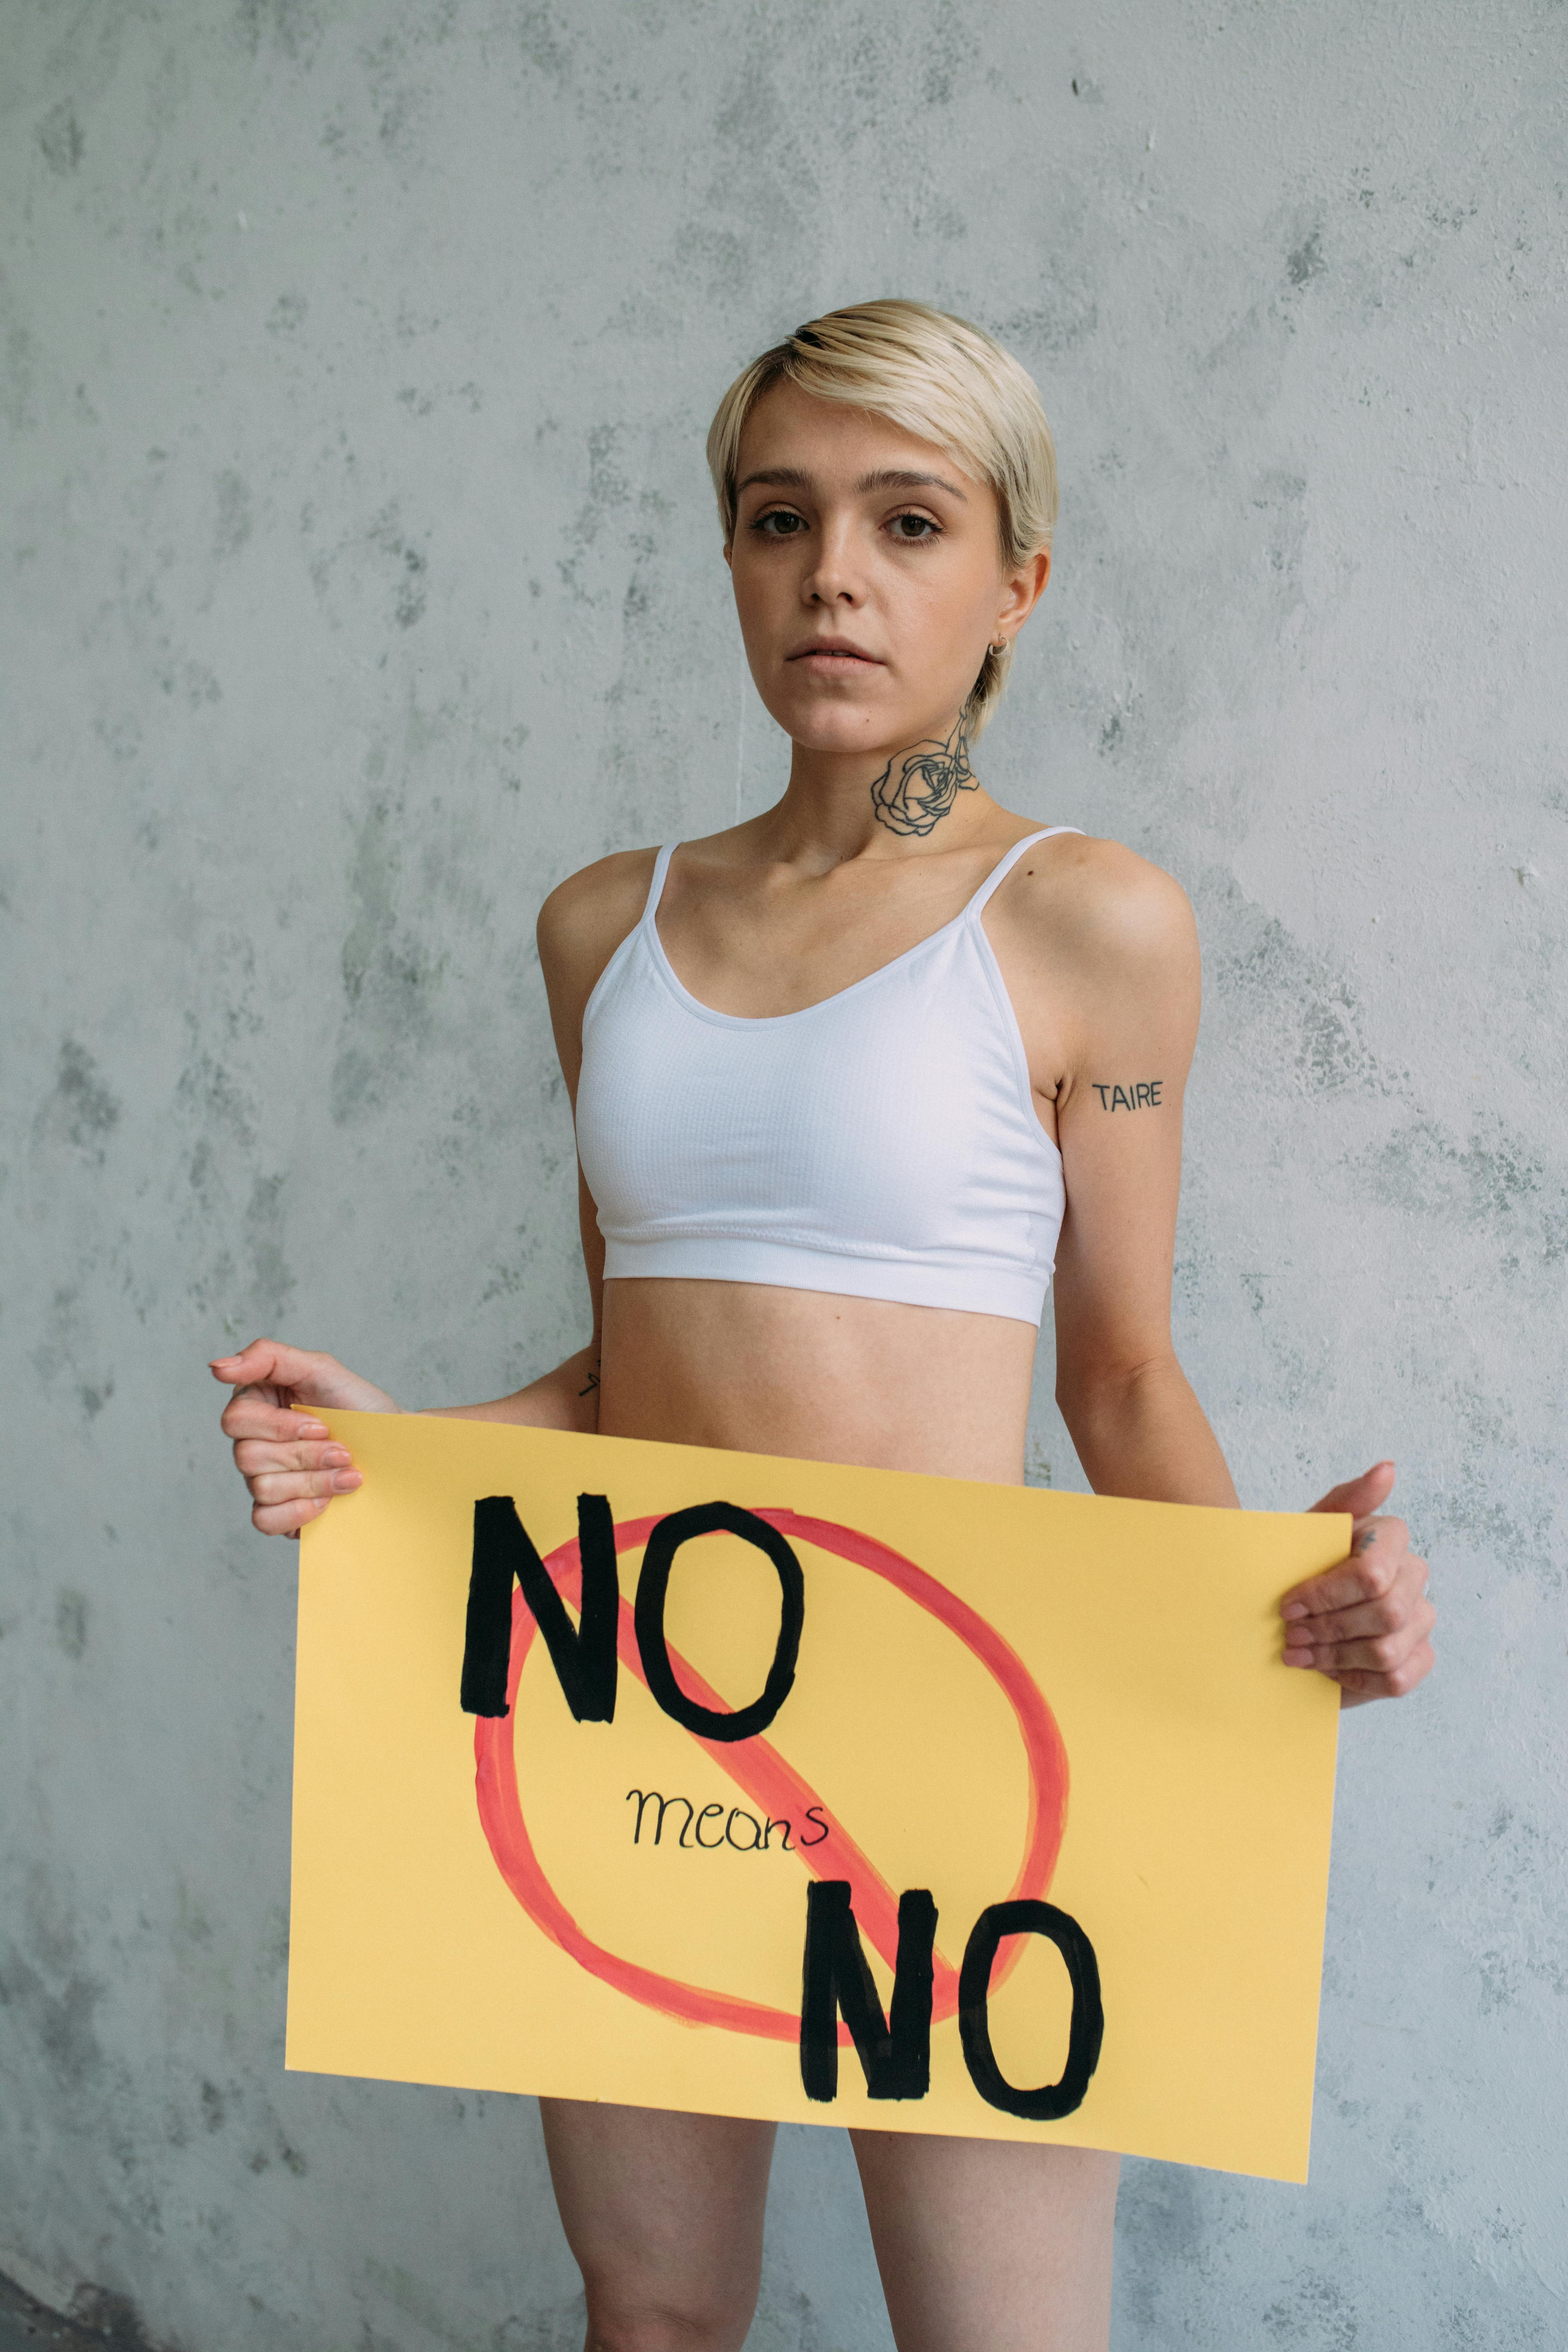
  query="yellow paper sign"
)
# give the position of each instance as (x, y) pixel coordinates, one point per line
(756, 1786)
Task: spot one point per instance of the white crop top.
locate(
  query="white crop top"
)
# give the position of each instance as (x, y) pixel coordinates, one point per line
(880, 1144)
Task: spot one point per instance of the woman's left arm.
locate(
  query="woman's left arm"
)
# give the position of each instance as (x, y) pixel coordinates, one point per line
(1130, 989)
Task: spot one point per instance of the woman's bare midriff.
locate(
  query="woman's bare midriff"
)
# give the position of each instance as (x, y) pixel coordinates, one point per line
(760, 1370)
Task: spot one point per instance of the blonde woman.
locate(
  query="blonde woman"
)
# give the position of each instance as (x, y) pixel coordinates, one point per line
(848, 1078)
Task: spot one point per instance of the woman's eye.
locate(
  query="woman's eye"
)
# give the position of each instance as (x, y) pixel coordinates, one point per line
(780, 524)
(913, 527)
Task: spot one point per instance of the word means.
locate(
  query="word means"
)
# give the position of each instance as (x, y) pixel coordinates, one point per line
(1143, 1096)
(757, 1843)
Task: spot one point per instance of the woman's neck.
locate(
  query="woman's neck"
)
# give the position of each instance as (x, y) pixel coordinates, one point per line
(889, 801)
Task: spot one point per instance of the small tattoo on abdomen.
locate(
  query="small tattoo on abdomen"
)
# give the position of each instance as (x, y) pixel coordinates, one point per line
(1141, 1093)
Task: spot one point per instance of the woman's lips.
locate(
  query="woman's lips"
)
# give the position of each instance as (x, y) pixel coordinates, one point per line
(833, 661)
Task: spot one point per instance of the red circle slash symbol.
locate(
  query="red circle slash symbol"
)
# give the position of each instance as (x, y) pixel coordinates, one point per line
(758, 1768)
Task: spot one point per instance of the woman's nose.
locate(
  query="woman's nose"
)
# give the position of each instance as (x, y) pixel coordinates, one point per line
(836, 576)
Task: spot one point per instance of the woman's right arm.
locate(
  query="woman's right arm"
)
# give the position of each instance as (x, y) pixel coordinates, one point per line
(289, 1461)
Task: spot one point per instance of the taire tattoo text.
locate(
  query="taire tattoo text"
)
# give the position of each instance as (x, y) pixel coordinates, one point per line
(1142, 1094)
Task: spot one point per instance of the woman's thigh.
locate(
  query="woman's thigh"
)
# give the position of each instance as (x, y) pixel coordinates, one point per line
(664, 2213)
(983, 2243)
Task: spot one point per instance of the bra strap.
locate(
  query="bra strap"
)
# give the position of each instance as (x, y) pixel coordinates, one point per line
(656, 887)
(1005, 865)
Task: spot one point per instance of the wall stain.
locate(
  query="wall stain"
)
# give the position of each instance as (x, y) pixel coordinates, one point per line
(390, 976)
(234, 517)
(266, 1229)
(1162, 2225)
(70, 1623)
(541, 40)
(59, 2021)
(401, 563)
(66, 1340)
(1064, 316)
(1305, 262)
(80, 1109)
(1318, 2312)
(212, 1099)
(294, 27)
(1295, 1015)
(59, 136)
(1421, 1170)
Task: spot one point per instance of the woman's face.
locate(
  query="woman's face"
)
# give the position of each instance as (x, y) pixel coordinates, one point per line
(869, 576)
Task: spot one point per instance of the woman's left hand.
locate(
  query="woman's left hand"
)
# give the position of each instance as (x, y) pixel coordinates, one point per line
(1367, 1623)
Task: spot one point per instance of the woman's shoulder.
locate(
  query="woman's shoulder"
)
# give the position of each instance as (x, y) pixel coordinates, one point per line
(586, 917)
(1100, 902)
(612, 890)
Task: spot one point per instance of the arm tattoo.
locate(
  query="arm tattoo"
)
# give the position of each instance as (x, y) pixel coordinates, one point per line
(591, 1381)
(927, 779)
(1142, 1096)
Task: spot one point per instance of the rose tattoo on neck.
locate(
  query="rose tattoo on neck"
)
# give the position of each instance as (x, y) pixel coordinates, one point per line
(918, 787)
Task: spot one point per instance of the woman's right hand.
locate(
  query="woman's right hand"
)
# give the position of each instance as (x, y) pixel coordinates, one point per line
(292, 1464)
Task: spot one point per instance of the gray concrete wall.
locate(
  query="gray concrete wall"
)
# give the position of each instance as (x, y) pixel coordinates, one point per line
(361, 581)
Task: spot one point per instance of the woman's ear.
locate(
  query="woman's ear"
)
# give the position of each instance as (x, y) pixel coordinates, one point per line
(1022, 591)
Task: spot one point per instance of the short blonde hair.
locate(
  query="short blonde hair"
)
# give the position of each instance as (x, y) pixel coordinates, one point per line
(938, 377)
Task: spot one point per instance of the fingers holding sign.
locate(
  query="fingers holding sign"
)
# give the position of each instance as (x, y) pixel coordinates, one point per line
(291, 1463)
(1367, 1622)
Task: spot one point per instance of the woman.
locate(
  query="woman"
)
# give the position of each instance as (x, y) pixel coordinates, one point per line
(845, 1079)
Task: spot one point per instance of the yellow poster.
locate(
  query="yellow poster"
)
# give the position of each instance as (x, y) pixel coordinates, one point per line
(757, 1787)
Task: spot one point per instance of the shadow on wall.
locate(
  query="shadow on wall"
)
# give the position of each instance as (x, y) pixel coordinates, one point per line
(96, 2317)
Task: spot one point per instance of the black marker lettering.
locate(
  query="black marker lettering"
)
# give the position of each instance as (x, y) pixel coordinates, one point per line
(701, 1817)
(652, 1797)
(767, 1831)
(653, 1584)
(583, 1657)
(814, 1815)
(1084, 2035)
(896, 2055)
(738, 1813)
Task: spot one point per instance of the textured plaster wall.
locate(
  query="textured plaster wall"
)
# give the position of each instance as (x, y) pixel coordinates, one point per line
(361, 581)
